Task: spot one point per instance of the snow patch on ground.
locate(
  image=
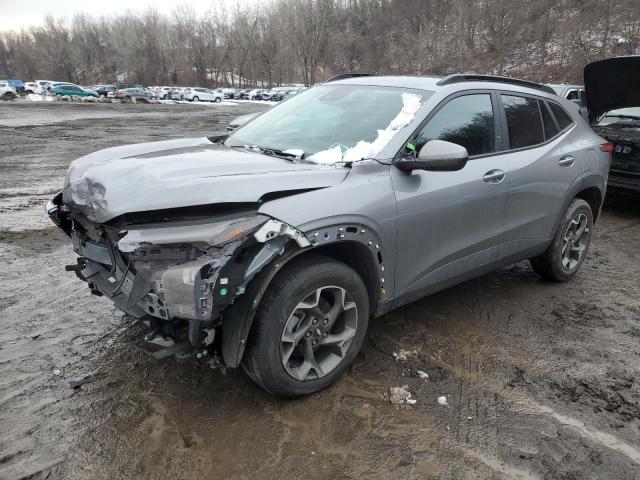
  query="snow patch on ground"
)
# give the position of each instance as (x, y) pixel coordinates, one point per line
(442, 401)
(411, 103)
(34, 97)
(401, 395)
(404, 355)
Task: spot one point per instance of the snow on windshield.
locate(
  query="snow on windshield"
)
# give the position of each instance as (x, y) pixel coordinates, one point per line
(411, 103)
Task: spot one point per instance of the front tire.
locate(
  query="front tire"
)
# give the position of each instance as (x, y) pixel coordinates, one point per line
(218, 100)
(569, 248)
(309, 327)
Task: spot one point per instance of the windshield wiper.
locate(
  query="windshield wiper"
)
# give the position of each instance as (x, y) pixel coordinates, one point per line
(274, 152)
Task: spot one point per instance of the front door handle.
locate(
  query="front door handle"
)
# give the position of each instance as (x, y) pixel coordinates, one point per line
(566, 161)
(493, 176)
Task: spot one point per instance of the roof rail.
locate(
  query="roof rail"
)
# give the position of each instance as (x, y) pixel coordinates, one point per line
(342, 76)
(458, 78)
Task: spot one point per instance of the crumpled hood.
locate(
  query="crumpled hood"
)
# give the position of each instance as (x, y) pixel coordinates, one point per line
(611, 84)
(182, 173)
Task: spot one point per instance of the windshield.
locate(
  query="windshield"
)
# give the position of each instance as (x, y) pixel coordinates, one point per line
(332, 123)
(633, 112)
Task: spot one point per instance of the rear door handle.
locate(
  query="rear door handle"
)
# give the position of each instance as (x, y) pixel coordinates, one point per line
(493, 176)
(566, 161)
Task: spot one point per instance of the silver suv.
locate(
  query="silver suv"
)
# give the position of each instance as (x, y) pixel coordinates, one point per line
(274, 246)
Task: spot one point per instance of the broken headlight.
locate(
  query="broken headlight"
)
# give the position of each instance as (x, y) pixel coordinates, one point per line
(201, 235)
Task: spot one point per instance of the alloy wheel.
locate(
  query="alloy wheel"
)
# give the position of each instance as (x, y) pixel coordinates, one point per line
(318, 333)
(575, 241)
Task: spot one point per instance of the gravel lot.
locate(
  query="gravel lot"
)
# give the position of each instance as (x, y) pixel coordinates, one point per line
(540, 379)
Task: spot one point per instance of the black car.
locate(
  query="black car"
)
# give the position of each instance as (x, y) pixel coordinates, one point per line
(614, 113)
(277, 95)
(241, 95)
(104, 90)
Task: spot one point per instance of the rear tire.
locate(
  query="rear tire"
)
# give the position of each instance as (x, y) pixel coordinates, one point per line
(218, 100)
(570, 245)
(309, 327)
(196, 99)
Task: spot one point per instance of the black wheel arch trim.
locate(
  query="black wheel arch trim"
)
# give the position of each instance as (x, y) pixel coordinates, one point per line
(238, 318)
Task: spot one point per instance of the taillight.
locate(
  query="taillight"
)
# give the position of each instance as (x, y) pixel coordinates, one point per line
(607, 147)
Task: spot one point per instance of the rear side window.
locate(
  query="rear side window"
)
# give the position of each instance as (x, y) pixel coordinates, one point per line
(550, 128)
(562, 117)
(523, 121)
(466, 120)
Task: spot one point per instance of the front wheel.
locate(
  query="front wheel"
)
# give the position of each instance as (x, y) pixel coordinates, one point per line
(309, 327)
(569, 248)
(218, 100)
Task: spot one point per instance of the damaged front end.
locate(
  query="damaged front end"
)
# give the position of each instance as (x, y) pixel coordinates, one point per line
(177, 269)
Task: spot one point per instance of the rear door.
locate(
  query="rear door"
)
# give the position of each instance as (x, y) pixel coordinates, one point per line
(451, 223)
(544, 161)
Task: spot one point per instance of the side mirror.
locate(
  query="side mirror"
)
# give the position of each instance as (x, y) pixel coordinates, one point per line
(436, 156)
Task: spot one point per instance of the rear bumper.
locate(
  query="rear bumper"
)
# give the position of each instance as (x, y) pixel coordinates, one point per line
(619, 180)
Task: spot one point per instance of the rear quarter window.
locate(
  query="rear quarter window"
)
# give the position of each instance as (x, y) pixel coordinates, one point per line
(562, 117)
(550, 127)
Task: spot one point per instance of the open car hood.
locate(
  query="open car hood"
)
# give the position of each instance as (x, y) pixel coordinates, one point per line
(612, 83)
(183, 173)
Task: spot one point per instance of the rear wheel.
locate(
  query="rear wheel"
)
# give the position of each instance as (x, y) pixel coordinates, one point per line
(309, 328)
(569, 248)
(218, 100)
(196, 99)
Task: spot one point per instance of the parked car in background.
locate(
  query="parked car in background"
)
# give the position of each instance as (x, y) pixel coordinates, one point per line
(241, 94)
(258, 94)
(198, 94)
(228, 92)
(63, 89)
(168, 93)
(18, 85)
(179, 92)
(276, 245)
(30, 87)
(277, 95)
(104, 90)
(42, 86)
(135, 94)
(569, 92)
(613, 103)
(7, 91)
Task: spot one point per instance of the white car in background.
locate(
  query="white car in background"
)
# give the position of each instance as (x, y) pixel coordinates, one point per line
(30, 87)
(41, 86)
(168, 93)
(6, 89)
(198, 94)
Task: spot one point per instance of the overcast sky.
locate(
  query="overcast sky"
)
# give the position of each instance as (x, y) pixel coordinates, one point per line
(15, 14)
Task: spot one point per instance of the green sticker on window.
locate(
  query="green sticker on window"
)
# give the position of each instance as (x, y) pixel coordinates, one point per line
(411, 147)
(223, 292)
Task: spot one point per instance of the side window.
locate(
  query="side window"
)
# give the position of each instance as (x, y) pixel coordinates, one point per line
(523, 121)
(572, 95)
(466, 120)
(550, 128)
(563, 118)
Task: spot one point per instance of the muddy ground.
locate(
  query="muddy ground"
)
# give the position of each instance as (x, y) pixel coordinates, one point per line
(540, 379)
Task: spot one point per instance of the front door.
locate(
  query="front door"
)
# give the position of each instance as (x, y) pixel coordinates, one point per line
(451, 223)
